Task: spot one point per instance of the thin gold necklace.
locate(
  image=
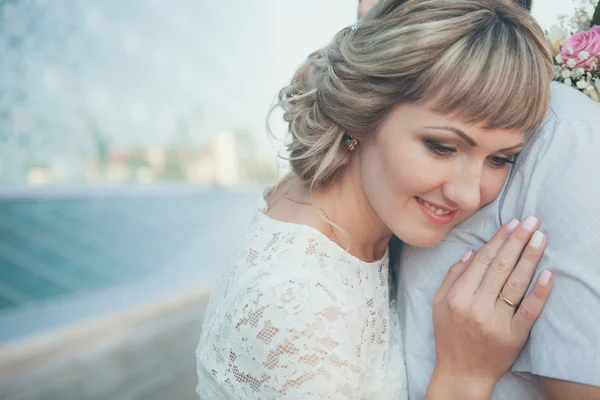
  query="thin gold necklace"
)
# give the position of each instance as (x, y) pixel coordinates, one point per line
(308, 203)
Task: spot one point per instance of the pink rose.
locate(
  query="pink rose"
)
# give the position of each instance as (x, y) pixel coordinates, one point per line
(584, 49)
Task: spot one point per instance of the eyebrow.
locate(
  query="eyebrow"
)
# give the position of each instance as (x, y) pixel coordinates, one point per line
(466, 137)
(516, 146)
(458, 132)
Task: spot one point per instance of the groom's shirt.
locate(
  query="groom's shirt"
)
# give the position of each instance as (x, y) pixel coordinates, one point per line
(557, 179)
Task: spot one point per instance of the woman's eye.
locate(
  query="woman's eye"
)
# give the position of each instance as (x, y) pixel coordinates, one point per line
(438, 148)
(499, 162)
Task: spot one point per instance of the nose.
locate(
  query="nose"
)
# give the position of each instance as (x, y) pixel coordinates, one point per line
(464, 188)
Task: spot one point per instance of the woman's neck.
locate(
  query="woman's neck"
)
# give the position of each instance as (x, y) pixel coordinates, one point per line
(348, 207)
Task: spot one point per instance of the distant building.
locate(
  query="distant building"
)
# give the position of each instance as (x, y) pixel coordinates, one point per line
(202, 169)
(157, 157)
(225, 159)
(228, 160)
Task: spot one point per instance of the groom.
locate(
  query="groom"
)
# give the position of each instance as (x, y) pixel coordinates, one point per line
(557, 179)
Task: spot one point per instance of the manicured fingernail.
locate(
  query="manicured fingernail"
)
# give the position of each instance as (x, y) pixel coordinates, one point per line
(530, 223)
(536, 240)
(512, 225)
(467, 256)
(545, 277)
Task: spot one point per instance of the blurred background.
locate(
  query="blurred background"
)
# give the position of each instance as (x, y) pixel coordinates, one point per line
(132, 150)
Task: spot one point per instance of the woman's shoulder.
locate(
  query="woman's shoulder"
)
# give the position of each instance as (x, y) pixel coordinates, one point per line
(280, 261)
(281, 305)
(275, 282)
(279, 255)
(274, 251)
(290, 266)
(290, 299)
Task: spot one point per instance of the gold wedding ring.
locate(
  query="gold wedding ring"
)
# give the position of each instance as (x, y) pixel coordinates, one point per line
(507, 301)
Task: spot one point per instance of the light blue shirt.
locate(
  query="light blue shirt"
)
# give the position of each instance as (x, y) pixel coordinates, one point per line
(557, 179)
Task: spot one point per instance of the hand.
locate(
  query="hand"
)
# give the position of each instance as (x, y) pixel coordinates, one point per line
(478, 335)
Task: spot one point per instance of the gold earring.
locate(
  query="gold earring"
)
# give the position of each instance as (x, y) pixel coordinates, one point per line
(351, 143)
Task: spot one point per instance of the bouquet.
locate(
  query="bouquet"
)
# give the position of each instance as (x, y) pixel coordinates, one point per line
(575, 47)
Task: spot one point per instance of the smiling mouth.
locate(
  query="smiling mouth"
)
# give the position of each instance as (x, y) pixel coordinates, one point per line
(436, 209)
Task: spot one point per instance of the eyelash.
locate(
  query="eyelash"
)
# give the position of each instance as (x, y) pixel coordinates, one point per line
(500, 162)
(439, 149)
(444, 151)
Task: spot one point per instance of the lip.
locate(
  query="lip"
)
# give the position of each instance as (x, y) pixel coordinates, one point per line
(435, 218)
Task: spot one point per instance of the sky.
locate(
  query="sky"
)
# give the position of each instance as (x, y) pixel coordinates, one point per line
(155, 72)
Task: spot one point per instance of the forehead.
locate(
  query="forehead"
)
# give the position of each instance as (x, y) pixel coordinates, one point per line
(420, 118)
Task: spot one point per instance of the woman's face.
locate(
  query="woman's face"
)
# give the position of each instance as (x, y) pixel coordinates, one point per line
(423, 172)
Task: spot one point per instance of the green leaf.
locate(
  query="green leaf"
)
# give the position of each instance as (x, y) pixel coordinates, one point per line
(596, 17)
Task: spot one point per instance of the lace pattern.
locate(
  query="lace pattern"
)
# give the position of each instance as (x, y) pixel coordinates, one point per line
(297, 317)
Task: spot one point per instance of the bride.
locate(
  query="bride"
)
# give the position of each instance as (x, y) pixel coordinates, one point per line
(403, 125)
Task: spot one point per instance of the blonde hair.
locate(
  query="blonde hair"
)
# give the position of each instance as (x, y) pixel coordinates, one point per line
(480, 61)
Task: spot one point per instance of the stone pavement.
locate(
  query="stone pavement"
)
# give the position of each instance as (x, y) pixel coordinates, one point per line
(146, 353)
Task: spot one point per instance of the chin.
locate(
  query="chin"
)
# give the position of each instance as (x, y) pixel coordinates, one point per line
(423, 239)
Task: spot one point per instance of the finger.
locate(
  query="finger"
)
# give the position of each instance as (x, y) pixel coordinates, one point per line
(506, 259)
(531, 307)
(519, 280)
(472, 277)
(453, 274)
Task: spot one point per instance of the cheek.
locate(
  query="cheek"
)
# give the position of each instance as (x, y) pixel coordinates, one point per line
(402, 170)
(391, 176)
(491, 185)
(417, 172)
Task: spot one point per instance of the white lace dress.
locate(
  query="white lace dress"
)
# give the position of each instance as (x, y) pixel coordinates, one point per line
(297, 317)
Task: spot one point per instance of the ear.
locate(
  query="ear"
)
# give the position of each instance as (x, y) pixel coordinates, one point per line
(362, 136)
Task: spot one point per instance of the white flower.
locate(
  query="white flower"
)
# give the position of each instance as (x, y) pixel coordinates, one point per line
(577, 73)
(557, 72)
(556, 37)
(581, 85)
(559, 59)
(572, 63)
(570, 50)
(584, 55)
(567, 81)
(593, 93)
(566, 74)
